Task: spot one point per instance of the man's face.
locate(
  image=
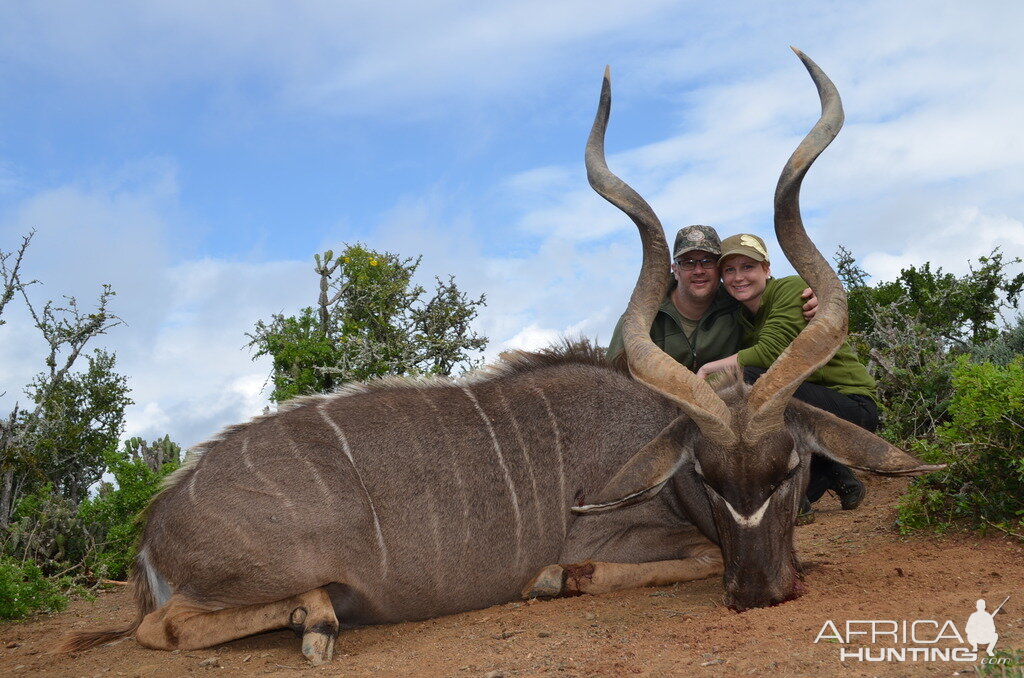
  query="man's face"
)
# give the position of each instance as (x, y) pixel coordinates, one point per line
(696, 272)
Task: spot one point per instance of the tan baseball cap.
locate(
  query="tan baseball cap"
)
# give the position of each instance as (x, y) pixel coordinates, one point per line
(746, 244)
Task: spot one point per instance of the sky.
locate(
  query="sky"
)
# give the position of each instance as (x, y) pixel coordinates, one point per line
(195, 156)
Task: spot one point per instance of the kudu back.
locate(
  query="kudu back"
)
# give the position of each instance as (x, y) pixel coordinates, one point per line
(407, 499)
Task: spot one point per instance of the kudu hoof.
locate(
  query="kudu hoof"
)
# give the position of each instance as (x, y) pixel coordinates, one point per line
(548, 584)
(317, 637)
(318, 645)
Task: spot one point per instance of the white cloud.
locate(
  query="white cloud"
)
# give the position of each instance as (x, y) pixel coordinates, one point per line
(958, 236)
(322, 56)
(530, 338)
(183, 344)
(708, 106)
(931, 133)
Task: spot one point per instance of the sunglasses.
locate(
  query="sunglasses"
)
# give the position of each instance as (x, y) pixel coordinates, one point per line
(690, 264)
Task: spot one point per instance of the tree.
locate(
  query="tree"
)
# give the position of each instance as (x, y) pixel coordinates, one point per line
(41, 444)
(910, 331)
(370, 320)
(80, 418)
(961, 311)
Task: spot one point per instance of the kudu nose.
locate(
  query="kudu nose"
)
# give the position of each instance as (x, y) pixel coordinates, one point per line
(759, 588)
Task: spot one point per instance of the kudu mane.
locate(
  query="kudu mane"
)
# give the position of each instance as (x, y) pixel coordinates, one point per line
(569, 352)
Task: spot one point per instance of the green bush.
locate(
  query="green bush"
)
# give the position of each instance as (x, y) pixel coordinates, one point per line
(910, 331)
(983, 445)
(139, 470)
(24, 590)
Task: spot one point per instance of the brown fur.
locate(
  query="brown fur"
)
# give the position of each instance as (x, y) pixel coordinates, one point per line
(505, 395)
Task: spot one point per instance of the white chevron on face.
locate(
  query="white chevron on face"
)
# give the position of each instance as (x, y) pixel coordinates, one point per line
(754, 519)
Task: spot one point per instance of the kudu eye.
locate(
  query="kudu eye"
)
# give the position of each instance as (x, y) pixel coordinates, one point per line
(793, 467)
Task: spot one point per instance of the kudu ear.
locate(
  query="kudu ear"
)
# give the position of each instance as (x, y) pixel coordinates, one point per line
(851, 445)
(643, 476)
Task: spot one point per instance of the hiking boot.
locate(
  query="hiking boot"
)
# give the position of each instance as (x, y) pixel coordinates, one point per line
(848, 487)
(805, 516)
(828, 474)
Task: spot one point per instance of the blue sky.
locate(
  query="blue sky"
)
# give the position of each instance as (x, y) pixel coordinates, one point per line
(195, 155)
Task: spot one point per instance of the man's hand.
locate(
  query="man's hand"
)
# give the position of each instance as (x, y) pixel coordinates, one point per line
(811, 307)
(717, 366)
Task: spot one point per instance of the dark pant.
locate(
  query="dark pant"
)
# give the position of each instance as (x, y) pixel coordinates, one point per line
(856, 409)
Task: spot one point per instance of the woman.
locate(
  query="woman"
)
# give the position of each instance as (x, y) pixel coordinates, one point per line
(771, 319)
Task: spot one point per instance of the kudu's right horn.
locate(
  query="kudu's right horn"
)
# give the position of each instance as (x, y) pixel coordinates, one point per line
(819, 341)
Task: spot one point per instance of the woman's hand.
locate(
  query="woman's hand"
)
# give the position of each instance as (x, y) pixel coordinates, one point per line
(810, 309)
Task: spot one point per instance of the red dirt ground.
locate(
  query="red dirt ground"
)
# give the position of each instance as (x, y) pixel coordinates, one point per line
(857, 567)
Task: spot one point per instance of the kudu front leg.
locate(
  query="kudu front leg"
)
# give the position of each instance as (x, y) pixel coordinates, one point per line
(598, 577)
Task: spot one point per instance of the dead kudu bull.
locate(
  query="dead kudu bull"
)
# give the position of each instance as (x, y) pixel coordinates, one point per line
(405, 500)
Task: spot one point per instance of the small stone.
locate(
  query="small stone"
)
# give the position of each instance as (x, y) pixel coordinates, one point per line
(494, 674)
(11, 646)
(543, 634)
(212, 661)
(590, 616)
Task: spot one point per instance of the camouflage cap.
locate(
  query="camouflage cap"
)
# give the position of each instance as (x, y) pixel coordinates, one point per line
(696, 237)
(746, 244)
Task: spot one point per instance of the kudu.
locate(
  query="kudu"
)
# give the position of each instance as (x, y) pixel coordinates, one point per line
(404, 500)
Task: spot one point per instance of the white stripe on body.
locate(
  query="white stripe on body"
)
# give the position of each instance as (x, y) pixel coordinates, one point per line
(455, 472)
(313, 471)
(373, 509)
(529, 461)
(504, 469)
(192, 481)
(437, 576)
(563, 505)
(259, 475)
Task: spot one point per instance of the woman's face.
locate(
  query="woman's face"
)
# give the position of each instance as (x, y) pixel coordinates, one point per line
(745, 279)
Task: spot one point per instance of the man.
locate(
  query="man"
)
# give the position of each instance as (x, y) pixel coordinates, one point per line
(698, 323)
